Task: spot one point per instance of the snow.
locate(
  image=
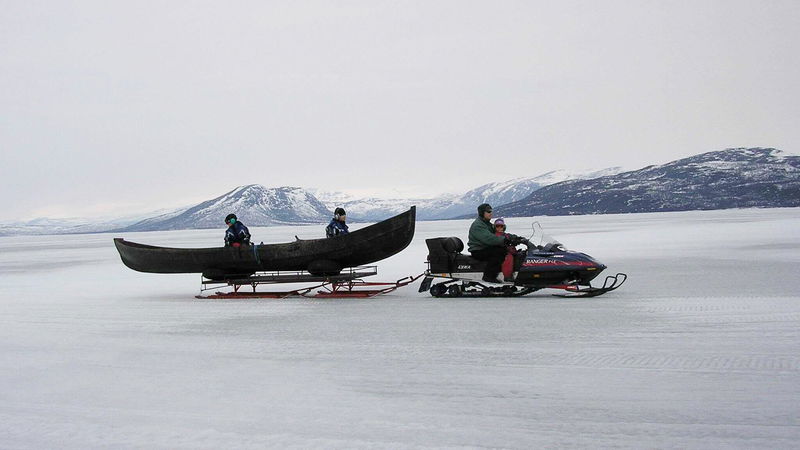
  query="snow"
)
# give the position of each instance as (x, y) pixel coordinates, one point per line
(553, 177)
(447, 205)
(700, 349)
(72, 225)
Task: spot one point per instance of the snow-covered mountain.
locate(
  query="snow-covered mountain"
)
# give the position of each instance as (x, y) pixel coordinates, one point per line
(732, 178)
(44, 225)
(366, 209)
(512, 190)
(257, 205)
(254, 204)
(741, 177)
(452, 205)
(78, 225)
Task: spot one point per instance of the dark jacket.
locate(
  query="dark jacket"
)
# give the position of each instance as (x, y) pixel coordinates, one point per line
(335, 228)
(511, 249)
(481, 236)
(237, 233)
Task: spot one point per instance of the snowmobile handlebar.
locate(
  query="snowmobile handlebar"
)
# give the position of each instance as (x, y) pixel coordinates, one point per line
(515, 240)
(549, 247)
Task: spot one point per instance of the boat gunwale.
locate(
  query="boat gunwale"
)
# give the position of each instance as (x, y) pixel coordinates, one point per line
(372, 243)
(131, 244)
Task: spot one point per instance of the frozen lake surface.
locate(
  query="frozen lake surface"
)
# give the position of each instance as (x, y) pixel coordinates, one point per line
(700, 349)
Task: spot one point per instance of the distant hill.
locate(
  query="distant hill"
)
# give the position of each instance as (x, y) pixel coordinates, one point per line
(732, 178)
(449, 206)
(78, 225)
(254, 204)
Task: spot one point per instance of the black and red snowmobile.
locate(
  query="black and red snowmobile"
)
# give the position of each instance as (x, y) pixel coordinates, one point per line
(543, 264)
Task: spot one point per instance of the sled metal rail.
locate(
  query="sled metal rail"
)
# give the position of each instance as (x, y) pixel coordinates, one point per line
(299, 276)
(347, 284)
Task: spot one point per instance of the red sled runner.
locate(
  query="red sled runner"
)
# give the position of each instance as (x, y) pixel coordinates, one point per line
(347, 284)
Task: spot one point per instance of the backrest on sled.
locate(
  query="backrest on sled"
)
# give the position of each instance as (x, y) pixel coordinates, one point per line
(442, 252)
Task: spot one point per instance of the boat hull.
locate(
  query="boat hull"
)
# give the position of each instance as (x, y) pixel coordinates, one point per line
(318, 256)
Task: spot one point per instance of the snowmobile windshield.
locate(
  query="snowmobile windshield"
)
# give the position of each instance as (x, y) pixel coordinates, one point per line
(544, 241)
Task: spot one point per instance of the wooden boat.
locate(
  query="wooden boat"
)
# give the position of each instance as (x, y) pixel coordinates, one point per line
(317, 256)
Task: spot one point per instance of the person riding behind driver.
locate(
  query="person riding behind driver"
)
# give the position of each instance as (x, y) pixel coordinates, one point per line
(508, 262)
(484, 245)
(237, 234)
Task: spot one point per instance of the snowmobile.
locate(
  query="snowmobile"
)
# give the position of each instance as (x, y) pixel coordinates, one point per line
(543, 264)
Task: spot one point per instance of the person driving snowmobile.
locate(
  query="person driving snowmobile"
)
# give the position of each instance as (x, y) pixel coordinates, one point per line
(484, 245)
(237, 233)
(338, 225)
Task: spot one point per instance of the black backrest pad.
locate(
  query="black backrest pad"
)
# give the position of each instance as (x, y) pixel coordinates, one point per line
(453, 245)
(442, 252)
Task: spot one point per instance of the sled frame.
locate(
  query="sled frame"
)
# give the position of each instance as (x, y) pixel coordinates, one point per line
(347, 284)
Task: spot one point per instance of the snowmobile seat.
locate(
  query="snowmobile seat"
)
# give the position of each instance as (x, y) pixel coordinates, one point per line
(466, 263)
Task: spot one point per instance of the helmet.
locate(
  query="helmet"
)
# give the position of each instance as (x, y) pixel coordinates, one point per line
(230, 218)
(485, 207)
(499, 221)
(339, 212)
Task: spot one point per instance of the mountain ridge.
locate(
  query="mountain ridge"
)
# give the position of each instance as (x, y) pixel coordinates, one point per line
(255, 205)
(447, 206)
(730, 178)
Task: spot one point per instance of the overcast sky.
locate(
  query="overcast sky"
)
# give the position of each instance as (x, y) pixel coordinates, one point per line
(113, 107)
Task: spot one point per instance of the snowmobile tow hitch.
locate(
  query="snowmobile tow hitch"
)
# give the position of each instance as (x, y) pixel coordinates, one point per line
(346, 284)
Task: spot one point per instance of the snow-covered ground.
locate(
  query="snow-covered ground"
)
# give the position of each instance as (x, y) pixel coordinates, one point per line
(701, 348)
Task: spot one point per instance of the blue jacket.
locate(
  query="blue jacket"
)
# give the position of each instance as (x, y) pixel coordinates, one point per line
(335, 228)
(237, 233)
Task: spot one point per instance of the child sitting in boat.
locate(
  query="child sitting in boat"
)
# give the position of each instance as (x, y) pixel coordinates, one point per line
(338, 225)
(237, 234)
